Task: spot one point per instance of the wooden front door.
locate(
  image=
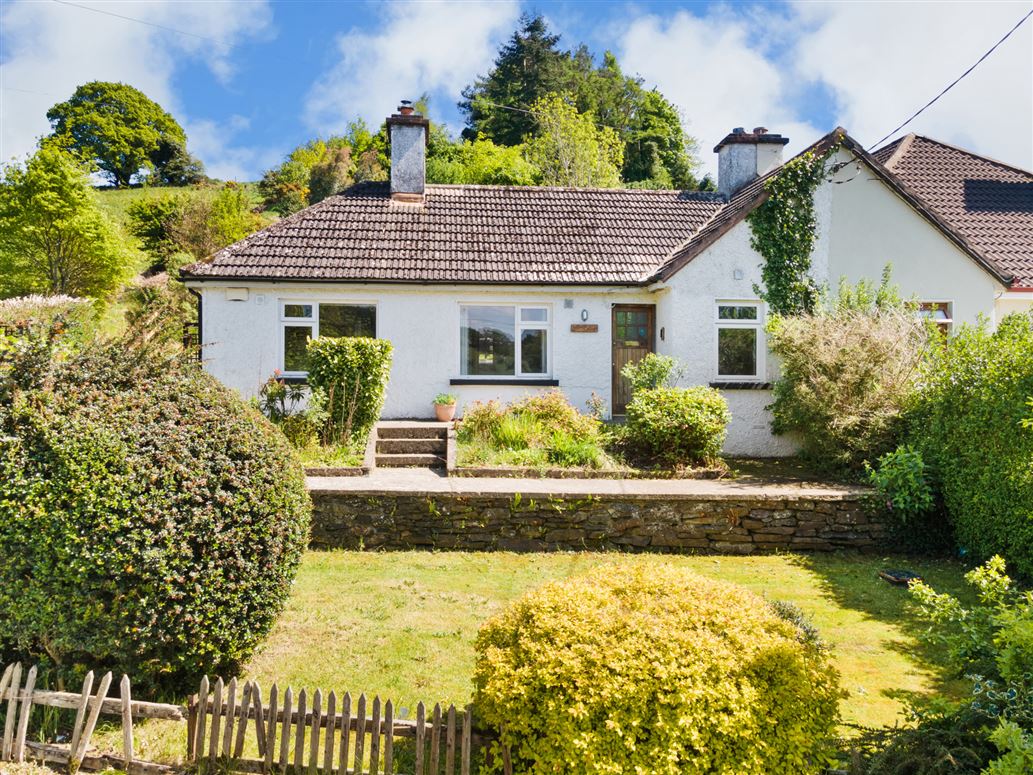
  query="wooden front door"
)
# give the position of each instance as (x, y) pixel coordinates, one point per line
(633, 334)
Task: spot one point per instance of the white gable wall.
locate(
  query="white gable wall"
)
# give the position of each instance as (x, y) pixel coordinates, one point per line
(872, 226)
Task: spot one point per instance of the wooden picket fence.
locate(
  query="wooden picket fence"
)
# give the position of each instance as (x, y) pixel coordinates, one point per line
(88, 707)
(291, 736)
(322, 739)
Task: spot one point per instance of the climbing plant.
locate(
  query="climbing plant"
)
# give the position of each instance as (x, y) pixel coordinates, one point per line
(784, 228)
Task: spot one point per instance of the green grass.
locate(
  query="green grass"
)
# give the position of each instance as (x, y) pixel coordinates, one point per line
(337, 455)
(402, 624)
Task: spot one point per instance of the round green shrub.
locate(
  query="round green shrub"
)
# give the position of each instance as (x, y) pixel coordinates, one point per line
(151, 521)
(654, 669)
(680, 425)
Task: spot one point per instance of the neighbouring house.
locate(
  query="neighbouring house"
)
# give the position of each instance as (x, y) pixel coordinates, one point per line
(494, 291)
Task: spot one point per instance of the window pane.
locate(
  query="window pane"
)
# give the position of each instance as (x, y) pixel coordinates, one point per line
(488, 338)
(295, 339)
(534, 315)
(347, 320)
(737, 352)
(533, 351)
(736, 312)
(297, 310)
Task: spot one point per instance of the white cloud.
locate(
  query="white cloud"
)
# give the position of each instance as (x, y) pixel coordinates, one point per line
(434, 47)
(880, 62)
(214, 140)
(884, 61)
(51, 48)
(716, 74)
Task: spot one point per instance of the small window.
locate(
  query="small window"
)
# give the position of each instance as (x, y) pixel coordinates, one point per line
(302, 321)
(739, 340)
(503, 341)
(939, 312)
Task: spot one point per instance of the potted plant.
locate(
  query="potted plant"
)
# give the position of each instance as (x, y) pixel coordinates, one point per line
(445, 407)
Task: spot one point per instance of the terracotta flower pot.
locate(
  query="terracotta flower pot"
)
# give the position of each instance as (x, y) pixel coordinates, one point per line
(445, 412)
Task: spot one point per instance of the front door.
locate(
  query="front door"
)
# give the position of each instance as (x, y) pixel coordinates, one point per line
(633, 333)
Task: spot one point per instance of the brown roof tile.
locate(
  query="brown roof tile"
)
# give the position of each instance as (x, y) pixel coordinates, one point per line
(493, 234)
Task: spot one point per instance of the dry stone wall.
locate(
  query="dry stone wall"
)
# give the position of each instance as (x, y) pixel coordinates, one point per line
(485, 522)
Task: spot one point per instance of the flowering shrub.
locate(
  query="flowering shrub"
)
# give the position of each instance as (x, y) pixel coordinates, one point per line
(654, 670)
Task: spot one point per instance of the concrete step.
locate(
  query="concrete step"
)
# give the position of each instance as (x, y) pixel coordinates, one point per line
(410, 461)
(413, 431)
(411, 446)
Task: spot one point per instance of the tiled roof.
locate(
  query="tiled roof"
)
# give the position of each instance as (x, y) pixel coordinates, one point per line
(988, 203)
(491, 234)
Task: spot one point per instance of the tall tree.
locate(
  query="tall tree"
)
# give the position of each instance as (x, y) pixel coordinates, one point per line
(657, 152)
(528, 67)
(53, 236)
(570, 150)
(115, 126)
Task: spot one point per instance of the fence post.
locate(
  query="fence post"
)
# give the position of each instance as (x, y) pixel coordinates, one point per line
(127, 721)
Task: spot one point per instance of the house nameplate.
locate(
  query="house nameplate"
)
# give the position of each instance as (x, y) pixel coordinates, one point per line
(584, 328)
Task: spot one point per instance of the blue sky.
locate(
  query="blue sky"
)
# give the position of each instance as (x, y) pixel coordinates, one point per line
(251, 79)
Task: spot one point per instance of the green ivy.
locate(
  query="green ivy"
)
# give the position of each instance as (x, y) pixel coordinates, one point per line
(784, 228)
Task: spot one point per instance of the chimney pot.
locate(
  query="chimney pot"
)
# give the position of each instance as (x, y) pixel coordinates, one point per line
(738, 131)
(406, 108)
(760, 130)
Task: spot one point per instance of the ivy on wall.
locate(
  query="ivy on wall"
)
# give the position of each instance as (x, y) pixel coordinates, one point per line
(783, 232)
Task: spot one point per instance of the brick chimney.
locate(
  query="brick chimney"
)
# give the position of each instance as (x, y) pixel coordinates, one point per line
(408, 135)
(743, 156)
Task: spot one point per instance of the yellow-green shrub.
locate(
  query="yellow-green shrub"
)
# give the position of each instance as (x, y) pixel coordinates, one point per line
(654, 670)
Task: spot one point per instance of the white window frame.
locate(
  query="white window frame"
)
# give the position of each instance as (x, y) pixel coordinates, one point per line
(761, 344)
(313, 323)
(948, 323)
(519, 327)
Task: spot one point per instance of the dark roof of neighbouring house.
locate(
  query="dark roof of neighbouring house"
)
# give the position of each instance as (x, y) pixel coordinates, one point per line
(542, 235)
(988, 202)
(471, 234)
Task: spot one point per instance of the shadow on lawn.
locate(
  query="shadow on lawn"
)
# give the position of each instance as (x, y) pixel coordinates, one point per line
(851, 580)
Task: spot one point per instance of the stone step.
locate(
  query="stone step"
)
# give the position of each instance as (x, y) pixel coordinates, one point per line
(410, 461)
(413, 431)
(411, 446)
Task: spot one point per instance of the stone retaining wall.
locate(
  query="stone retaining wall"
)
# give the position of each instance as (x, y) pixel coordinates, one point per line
(733, 524)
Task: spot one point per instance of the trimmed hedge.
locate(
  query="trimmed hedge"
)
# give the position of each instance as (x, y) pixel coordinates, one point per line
(967, 422)
(351, 373)
(151, 521)
(654, 670)
(681, 425)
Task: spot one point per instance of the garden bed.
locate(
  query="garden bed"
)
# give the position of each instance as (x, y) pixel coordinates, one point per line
(343, 460)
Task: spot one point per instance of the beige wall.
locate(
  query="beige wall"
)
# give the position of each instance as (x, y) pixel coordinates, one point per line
(1013, 301)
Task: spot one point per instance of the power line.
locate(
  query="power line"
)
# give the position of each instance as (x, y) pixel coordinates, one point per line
(954, 83)
(138, 21)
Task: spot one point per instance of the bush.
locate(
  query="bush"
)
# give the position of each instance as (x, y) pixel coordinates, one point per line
(151, 522)
(904, 488)
(636, 669)
(653, 371)
(351, 374)
(967, 422)
(847, 372)
(680, 425)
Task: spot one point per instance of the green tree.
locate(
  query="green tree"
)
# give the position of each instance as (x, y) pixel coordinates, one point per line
(310, 173)
(527, 68)
(657, 151)
(53, 237)
(570, 150)
(208, 223)
(115, 126)
(481, 162)
(153, 221)
(175, 166)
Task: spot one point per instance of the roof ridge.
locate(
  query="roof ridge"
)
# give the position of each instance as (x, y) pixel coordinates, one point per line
(575, 189)
(903, 146)
(973, 154)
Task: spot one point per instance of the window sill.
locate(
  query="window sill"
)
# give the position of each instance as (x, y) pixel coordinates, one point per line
(294, 380)
(528, 381)
(741, 385)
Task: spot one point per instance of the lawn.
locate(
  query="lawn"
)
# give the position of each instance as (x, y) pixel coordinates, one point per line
(403, 624)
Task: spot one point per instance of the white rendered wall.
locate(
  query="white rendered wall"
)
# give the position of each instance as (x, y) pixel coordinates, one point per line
(243, 338)
(871, 226)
